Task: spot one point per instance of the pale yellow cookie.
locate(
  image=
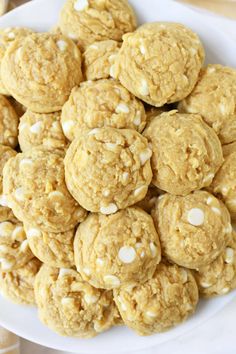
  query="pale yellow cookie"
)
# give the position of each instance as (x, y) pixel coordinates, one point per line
(8, 123)
(70, 306)
(87, 21)
(108, 169)
(101, 103)
(160, 62)
(35, 187)
(214, 97)
(53, 249)
(164, 301)
(219, 277)
(113, 250)
(186, 152)
(40, 71)
(99, 58)
(18, 285)
(7, 36)
(41, 130)
(193, 229)
(14, 247)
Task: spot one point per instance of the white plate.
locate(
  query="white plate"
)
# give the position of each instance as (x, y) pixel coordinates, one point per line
(42, 15)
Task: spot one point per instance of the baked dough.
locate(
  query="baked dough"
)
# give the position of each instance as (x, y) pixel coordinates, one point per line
(113, 250)
(41, 90)
(219, 277)
(214, 97)
(70, 306)
(101, 103)
(8, 123)
(41, 130)
(88, 21)
(99, 59)
(53, 249)
(14, 247)
(18, 285)
(165, 300)
(193, 229)
(160, 62)
(186, 152)
(115, 163)
(35, 187)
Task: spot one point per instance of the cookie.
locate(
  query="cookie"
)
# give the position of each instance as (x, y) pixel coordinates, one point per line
(229, 149)
(113, 250)
(8, 123)
(115, 163)
(152, 112)
(70, 306)
(219, 277)
(88, 21)
(99, 58)
(5, 212)
(41, 130)
(7, 36)
(160, 62)
(186, 152)
(53, 249)
(214, 97)
(164, 301)
(193, 229)
(14, 247)
(149, 200)
(18, 285)
(35, 187)
(224, 183)
(46, 90)
(99, 104)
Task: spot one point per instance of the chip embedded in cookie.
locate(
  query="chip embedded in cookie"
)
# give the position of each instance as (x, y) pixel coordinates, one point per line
(108, 169)
(121, 248)
(194, 229)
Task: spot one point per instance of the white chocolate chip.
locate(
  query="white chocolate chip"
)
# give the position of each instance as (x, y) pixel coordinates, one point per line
(24, 245)
(62, 45)
(87, 271)
(225, 190)
(112, 280)
(151, 314)
(100, 262)
(211, 70)
(208, 178)
(138, 245)
(228, 229)
(225, 290)
(18, 231)
(6, 265)
(145, 156)
(112, 71)
(184, 275)
(73, 36)
(22, 126)
(55, 194)
(68, 126)
(67, 301)
(110, 209)
(161, 196)
(209, 200)
(112, 58)
(216, 210)
(144, 89)
(140, 190)
(111, 146)
(205, 285)
(137, 119)
(223, 109)
(127, 254)
(26, 162)
(36, 128)
(122, 304)
(81, 5)
(125, 176)
(11, 35)
(229, 255)
(196, 216)
(33, 232)
(63, 272)
(142, 255)
(3, 200)
(153, 249)
(93, 46)
(142, 49)
(106, 192)
(122, 108)
(193, 50)
(90, 299)
(19, 194)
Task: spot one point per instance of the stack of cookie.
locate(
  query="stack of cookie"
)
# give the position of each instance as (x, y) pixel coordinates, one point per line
(116, 205)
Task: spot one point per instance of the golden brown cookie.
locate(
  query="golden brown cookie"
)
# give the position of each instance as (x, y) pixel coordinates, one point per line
(115, 163)
(46, 90)
(8, 123)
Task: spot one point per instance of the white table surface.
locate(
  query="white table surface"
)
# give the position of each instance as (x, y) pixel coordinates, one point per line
(216, 336)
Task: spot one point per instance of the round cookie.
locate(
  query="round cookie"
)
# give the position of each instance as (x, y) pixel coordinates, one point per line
(214, 97)
(160, 62)
(18, 285)
(5, 212)
(98, 104)
(46, 90)
(186, 152)
(115, 163)
(88, 21)
(70, 306)
(224, 183)
(7, 36)
(34, 184)
(99, 58)
(149, 200)
(14, 247)
(53, 249)
(41, 130)
(193, 229)
(165, 300)
(113, 250)
(8, 123)
(219, 277)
